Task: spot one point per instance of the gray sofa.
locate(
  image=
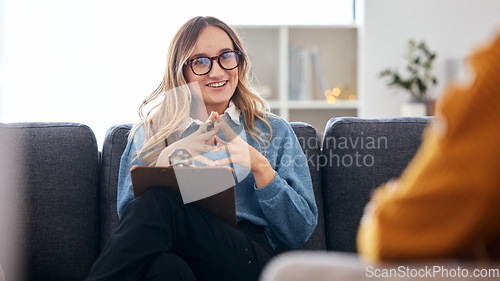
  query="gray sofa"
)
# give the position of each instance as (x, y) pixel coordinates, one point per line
(69, 187)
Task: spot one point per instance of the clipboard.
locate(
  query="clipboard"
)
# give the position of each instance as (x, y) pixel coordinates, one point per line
(211, 188)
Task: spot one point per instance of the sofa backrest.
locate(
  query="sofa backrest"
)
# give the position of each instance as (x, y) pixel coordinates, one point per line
(114, 145)
(59, 183)
(115, 142)
(359, 155)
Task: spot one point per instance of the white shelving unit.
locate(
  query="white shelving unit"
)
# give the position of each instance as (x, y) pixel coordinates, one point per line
(269, 51)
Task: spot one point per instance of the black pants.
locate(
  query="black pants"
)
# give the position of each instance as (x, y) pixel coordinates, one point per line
(161, 238)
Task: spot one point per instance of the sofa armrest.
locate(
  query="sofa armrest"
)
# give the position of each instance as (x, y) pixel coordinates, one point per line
(57, 186)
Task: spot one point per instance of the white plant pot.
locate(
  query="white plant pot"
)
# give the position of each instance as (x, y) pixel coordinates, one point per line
(414, 109)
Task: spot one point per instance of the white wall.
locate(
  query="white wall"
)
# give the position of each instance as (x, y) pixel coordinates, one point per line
(81, 61)
(452, 28)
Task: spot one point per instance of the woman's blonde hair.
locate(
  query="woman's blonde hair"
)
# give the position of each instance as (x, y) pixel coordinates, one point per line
(164, 112)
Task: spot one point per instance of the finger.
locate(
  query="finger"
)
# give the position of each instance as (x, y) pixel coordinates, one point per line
(215, 129)
(208, 136)
(224, 148)
(219, 142)
(222, 162)
(204, 126)
(223, 145)
(204, 160)
(213, 117)
(226, 129)
(209, 148)
(211, 141)
(232, 147)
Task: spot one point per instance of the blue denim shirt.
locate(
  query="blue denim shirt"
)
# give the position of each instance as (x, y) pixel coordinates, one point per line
(286, 207)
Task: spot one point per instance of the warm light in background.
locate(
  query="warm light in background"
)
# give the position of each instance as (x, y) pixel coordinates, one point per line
(331, 99)
(336, 92)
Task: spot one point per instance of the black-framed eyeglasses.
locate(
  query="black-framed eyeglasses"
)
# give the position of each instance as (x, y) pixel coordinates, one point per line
(227, 60)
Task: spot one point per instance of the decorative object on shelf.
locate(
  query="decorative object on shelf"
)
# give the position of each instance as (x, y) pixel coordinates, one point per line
(414, 109)
(307, 78)
(420, 79)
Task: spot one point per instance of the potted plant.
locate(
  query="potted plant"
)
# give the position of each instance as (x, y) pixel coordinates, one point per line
(419, 78)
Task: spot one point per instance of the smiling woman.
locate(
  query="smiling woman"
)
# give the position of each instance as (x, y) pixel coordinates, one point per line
(206, 79)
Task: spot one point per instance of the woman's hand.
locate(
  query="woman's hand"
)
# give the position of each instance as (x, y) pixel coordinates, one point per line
(200, 141)
(243, 154)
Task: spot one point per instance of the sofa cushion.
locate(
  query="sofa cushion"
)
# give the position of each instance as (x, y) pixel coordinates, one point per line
(59, 183)
(114, 145)
(112, 150)
(311, 145)
(358, 155)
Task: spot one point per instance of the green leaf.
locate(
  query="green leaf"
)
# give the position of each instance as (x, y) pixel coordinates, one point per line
(421, 86)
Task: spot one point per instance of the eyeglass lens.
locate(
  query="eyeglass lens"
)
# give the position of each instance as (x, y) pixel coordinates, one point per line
(203, 65)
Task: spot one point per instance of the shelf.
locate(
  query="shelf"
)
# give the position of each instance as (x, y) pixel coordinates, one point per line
(316, 104)
(273, 52)
(319, 104)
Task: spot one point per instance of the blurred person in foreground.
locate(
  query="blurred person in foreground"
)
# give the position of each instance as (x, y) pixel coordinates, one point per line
(446, 204)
